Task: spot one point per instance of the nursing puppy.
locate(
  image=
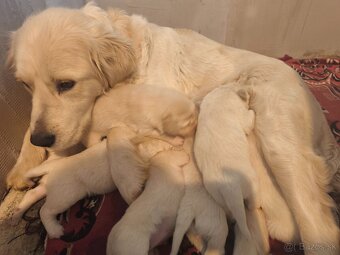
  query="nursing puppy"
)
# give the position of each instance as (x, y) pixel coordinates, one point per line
(232, 181)
(199, 212)
(152, 111)
(154, 211)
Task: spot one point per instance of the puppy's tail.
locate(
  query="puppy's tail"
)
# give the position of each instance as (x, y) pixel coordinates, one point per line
(184, 220)
(234, 200)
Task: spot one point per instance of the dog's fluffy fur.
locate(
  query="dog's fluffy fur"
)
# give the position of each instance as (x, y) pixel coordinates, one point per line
(232, 180)
(99, 49)
(156, 208)
(199, 212)
(150, 110)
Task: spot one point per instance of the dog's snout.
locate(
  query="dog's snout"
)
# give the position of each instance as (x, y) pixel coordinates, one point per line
(42, 139)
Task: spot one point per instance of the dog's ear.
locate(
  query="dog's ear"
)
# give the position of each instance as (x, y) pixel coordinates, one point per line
(10, 63)
(113, 57)
(111, 51)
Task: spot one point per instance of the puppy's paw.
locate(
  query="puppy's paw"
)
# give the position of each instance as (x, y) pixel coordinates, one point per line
(177, 141)
(55, 231)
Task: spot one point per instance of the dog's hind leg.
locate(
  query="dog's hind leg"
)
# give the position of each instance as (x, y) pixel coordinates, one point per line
(302, 175)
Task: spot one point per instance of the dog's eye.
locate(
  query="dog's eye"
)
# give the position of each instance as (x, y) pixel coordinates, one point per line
(65, 85)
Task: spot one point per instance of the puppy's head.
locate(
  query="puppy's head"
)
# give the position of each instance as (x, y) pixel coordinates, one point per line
(181, 119)
(66, 59)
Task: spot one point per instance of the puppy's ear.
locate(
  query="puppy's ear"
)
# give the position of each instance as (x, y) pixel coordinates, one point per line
(113, 58)
(244, 95)
(10, 54)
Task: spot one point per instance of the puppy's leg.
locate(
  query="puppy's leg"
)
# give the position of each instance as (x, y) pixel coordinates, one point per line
(243, 246)
(58, 200)
(217, 235)
(128, 170)
(184, 219)
(30, 156)
(30, 198)
(72, 179)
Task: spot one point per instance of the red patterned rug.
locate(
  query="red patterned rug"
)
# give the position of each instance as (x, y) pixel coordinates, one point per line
(89, 222)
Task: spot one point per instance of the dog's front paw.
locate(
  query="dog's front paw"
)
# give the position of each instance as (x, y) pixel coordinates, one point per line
(16, 179)
(55, 231)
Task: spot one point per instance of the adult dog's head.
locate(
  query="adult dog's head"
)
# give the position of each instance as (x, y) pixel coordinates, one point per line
(67, 58)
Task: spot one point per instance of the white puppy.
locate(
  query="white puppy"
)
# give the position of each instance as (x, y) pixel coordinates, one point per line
(232, 180)
(155, 210)
(148, 110)
(199, 211)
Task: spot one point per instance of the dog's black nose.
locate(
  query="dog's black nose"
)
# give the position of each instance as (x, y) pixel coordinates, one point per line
(42, 139)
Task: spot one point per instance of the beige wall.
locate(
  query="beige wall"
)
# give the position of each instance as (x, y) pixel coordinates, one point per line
(271, 27)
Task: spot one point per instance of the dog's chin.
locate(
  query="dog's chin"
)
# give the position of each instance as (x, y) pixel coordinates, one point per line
(67, 145)
(65, 150)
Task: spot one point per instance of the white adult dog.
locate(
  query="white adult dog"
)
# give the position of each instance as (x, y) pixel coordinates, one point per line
(68, 58)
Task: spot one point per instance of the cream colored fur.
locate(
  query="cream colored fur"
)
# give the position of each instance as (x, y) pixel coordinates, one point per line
(158, 203)
(99, 49)
(231, 180)
(152, 111)
(199, 212)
